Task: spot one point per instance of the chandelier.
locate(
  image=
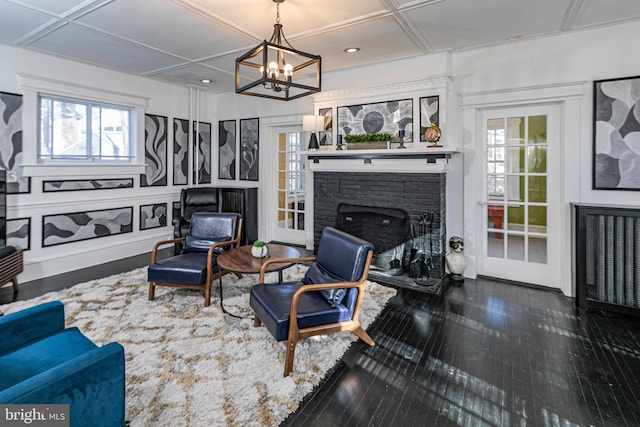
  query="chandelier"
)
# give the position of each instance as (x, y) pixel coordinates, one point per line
(275, 70)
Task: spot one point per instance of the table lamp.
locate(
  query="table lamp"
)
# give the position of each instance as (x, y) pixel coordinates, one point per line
(313, 124)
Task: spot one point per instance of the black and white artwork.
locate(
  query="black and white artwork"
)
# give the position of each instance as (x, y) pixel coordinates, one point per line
(249, 149)
(180, 151)
(616, 134)
(429, 113)
(59, 229)
(11, 143)
(155, 151)
(19, 233)
(227, 149)
(153, 216)
(86, 184)
(202, 155)
(326, 136)
(381, 117)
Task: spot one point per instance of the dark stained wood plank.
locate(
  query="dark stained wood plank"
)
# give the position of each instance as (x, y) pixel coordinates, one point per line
(486, 353)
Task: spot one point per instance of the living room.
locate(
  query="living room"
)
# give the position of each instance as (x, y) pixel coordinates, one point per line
(553, 71)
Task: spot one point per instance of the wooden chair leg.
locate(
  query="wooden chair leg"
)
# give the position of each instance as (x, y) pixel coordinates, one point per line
(152, 291)
(15, 283)
(288, 359)
(363, 335)
(207, 294)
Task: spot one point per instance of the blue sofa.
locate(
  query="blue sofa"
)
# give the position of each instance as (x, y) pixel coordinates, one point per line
(42, 362)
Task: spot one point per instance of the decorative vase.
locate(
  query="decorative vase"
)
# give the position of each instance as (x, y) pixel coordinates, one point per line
(259, 251)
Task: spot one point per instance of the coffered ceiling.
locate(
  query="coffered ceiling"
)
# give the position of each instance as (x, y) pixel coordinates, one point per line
(184, 41)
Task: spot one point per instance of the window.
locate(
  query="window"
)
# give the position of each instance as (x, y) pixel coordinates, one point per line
(295, 162)
(495, 159)
(72, 129)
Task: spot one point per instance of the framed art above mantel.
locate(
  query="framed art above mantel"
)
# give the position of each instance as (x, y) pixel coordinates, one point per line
(380, 117)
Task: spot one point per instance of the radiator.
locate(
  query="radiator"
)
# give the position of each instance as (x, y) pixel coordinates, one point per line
(607, 256)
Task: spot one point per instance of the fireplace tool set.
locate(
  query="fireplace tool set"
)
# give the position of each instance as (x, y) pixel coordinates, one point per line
(421, 259)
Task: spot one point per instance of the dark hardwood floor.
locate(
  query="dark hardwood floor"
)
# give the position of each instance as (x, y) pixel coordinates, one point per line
(486, 353)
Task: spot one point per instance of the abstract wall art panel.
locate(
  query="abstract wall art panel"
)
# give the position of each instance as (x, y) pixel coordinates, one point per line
(326, 136)
(155, 151)
(73, 227)
(180, 151)
(429, 113)
(11, 142)
(227, 149)
(381, 117)
(249, 149)
(616, 134)
(86, 184)
(202, 156)
(153, 216)
(19, 233)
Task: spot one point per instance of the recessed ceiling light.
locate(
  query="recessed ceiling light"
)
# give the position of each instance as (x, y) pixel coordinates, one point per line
(206, 80)
(352, 49)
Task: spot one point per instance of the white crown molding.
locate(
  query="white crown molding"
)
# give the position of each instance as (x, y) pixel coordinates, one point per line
(440, 82)
(539, 93)
(75, 90)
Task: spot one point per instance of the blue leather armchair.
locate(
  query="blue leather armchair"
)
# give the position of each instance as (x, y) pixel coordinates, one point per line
(196, 266)
(195, 199)
(44, 363)
(327, 299)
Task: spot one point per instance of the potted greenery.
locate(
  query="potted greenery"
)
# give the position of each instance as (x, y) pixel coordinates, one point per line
(367, 137)
(259, 249)
(366, 141)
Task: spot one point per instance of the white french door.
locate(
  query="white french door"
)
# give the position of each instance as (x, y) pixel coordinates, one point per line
(520, 205)
(289, 196)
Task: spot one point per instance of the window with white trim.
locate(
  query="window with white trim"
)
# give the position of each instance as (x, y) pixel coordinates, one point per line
(84, 131)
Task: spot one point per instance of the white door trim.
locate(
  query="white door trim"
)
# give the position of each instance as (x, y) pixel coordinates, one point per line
(569, 98)
(275, 232)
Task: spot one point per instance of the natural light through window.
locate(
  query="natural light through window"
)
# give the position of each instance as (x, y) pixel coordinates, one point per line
(71, 129)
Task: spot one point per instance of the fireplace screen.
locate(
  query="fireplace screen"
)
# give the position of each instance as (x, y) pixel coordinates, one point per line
(403, 251)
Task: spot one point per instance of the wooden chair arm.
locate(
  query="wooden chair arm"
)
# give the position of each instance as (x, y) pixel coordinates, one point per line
(233, 243)
(360, 284)
(213, 247)
(293, 311)
(162, 243)
(269, 261)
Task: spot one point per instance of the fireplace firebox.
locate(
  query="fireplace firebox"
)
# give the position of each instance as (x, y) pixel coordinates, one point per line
(402, 215)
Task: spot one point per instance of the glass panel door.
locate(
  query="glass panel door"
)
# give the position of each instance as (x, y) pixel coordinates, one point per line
(517, 208)
(290, 188)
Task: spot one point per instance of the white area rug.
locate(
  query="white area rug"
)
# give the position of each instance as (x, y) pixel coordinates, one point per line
(187, 365)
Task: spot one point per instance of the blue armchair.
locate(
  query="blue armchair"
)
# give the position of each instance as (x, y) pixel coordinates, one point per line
(44, 363)
(196, 266)
(326, 300)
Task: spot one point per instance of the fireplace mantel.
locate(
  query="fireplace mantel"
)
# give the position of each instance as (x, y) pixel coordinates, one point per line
(410, 160)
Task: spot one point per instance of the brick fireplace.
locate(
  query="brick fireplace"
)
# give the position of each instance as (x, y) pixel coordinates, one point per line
(402, 214)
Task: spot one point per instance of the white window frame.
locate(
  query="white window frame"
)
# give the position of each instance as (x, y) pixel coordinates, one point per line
(32, 86)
